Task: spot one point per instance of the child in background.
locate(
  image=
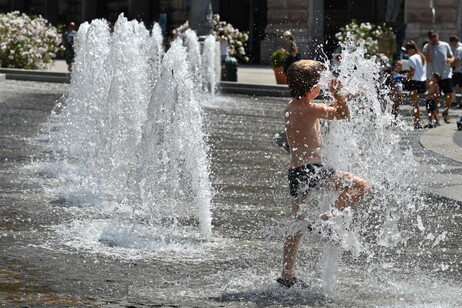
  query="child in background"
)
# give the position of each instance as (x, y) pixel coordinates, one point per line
(433, 94)
(397, 86)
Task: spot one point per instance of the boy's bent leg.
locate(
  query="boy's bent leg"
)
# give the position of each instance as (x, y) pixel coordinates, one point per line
(415, 97)
(352, 189)
(292, 242)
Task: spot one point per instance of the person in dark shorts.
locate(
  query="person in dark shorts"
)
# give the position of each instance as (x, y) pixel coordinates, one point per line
(304, 178)
(68, 43)
(417, 77)
(457, 70)
(433, 93)
(292, 54)
(307, 172)
(440, 58)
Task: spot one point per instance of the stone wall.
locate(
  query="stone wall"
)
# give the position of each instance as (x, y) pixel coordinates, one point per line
(304, 18)
(419, 18)
(177, 11)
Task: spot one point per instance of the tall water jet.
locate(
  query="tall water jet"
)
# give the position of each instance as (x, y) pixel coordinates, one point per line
(194, 53)
(78, 136)
(209, 64)
(174, 172)
(156, 51)
(128, 97)
(131, 131)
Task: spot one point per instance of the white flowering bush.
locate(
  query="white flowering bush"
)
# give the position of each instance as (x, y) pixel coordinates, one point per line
(353, 33)
(26, 42)
(237, 40)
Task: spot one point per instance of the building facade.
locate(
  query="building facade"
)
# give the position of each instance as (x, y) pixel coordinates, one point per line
(313, 22)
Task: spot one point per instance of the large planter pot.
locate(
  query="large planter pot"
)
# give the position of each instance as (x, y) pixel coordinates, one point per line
(281, 78)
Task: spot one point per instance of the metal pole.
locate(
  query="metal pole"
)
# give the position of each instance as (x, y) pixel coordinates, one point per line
(433, 13)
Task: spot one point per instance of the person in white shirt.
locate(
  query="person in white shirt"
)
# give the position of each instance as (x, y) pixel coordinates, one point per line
(457, 70)
(417, 77)
(439, 58)
(224, 44)
(454, 43)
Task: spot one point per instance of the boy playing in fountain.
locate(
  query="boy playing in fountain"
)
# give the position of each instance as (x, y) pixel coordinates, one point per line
(306, 171)
(433, 94)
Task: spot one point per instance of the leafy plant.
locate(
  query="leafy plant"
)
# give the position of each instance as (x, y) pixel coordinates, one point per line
(353, 33)
(237, 40)
(26, 42)
(278, 58)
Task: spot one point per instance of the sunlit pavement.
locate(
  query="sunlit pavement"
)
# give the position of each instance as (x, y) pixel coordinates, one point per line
(35, 280)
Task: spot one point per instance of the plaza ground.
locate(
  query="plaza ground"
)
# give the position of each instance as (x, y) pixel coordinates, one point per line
(239, 267)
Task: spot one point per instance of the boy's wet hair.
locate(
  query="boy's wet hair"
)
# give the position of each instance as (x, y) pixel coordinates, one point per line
(437, 76)
(302, 76)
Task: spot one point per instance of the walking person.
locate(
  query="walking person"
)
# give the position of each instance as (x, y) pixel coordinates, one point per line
(292, 53)
(417, 76)
(439, 58)
(68, 43)
(454, 43)
(457, 70)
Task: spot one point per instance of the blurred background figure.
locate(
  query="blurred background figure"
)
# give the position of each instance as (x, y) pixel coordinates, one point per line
(68, 43)
(292, 53)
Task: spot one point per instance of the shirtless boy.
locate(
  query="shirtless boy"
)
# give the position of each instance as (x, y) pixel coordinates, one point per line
(433, 94)
(306, 171)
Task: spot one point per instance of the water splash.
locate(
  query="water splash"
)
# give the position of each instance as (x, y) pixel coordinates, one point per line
(156, 51)
(368, 144)
(381, 227)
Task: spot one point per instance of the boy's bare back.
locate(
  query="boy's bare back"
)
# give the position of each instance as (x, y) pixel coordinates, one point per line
(303, 132)
(303, 127)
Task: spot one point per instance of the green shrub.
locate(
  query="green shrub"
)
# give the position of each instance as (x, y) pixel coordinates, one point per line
(278, 58)
(237, 39)
(374, 37)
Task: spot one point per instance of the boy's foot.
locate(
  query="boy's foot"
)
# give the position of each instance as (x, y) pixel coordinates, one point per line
(428, 126)
(417, 126)
(292, 282)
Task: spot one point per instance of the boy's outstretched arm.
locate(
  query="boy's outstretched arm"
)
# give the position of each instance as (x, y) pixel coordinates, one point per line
(341, 110)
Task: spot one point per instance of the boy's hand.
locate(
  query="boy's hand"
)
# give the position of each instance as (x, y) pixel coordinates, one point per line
(335, 86)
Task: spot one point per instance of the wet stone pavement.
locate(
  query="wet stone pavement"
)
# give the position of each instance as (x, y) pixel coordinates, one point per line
(237, 269)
